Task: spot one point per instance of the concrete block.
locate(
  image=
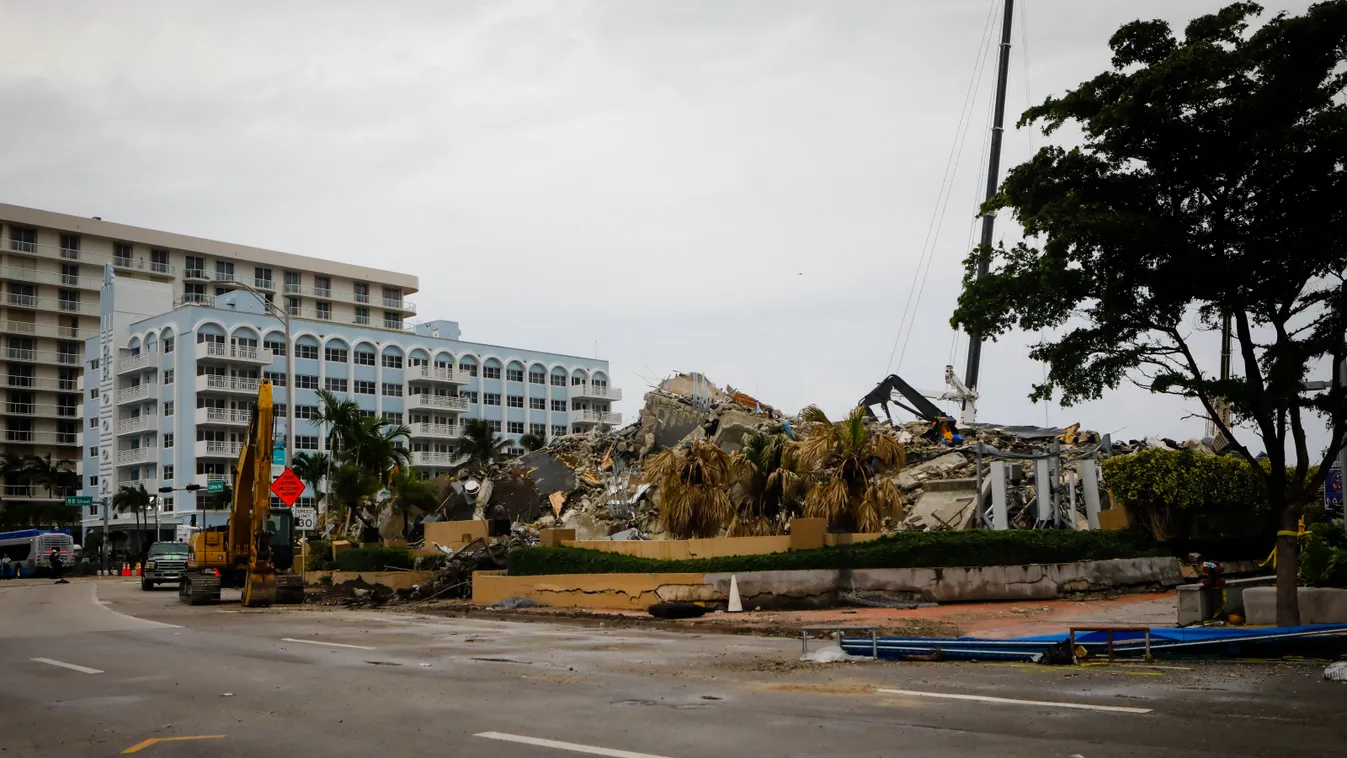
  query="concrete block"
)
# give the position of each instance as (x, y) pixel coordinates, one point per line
(555, 537)
(936, 468)
(807, 533)
(1114, 519)
(1318, 605)
(944, 509)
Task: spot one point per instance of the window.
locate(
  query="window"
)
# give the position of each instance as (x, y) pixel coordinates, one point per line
(208, 337)
(366, 414)
(392, 320)
(93, 394)
(558, 405)
(276, 347)
(468, 368)
(169, 375)
(537, 377)
(364, 358)
(392, 296)
(277, 378)
(362, 387)
(362, 316)
(306, 352)
(414, 362)
(537, 403)
(493, 426)
(292, 281)
(70, 274)
(194, 267)
(392, 361)
(169, 343)
(278, 410)
(168, 501)
(336, 384)
(471, 397)
(93, 452)
(515, 427)
(514, 375)
(577, 380)
(537, 428)
(93, 482)
(292, 306)
(168, 408)
(168, 442)
(515, 401)
(362, 294)
(93, 423)
(224, 271)
(491, 398)
(324, 311)
(335, 355)
(159, 260)
(70, 246)
(262, 278)
(322, 286)
(306, 442)
(24, 240)
(121, 252)
(68, 300)
(394, 418)
(491, 372)
(306, 411)
(558, 380)
(306, 382)
(392, 390)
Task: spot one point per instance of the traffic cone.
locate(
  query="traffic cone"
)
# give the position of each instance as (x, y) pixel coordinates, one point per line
(736, 605)
(139, 570)
(126, 569)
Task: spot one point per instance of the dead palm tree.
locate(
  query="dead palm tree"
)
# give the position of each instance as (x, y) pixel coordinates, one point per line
(771, 483)
(851, 468)
(693, 482)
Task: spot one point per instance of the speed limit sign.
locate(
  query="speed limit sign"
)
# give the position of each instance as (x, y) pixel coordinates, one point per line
(305, 518)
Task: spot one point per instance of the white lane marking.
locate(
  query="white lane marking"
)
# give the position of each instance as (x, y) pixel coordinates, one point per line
(101, 603)
(71, 666)
(1012, 701)
(571, 746)
(329, 644)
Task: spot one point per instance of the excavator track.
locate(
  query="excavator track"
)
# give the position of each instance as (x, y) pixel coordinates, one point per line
(199, 588)
(289, 589)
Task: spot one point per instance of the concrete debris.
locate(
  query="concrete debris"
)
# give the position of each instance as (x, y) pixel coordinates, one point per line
(1336, 672)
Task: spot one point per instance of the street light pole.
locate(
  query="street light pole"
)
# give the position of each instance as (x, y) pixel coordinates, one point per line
(282, 315)
(103, 505)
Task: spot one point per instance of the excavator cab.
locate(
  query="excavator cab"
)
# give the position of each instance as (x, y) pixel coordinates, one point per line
(281, 528)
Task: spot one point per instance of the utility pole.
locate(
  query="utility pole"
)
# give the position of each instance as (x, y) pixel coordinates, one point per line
(974, 364)
(103, 506)
(282, 315)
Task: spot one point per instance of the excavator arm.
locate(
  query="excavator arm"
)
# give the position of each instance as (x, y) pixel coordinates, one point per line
(249, 540)
(883, 394)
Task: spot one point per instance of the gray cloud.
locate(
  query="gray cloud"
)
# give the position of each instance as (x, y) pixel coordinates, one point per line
(742, 188)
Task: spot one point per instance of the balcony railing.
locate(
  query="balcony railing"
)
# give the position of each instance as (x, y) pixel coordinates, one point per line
(327, 293)
(600, 391)
(591, 416)
(23, 300)
(133, 424)
(19, 274)
(427, 458)
(222, 416)
(441, 402)
(132, 394)
(264, 284)
(232, 351)
(131, 457)
(433, 374)
(226, 383)
(136, 362)
(444, 431)
(21, 246)
(217, 449)
(29, 437)
(46, 330)
(42, 383)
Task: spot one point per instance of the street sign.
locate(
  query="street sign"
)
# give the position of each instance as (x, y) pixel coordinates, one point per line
(86, 500)
(288, 487)
(215, 485)
(1333, 487)
(306, 519)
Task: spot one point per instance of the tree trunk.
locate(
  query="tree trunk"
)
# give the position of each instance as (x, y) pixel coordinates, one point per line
(1288, 569)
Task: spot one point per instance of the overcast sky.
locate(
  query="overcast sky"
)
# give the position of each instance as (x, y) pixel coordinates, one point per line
(740, 188)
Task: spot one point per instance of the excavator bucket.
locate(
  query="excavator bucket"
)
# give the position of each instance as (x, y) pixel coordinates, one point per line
(260, 589)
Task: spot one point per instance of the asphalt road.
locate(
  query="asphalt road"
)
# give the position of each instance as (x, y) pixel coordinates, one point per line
(98, 668)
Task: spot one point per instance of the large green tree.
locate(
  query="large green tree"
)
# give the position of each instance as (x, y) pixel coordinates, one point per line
(479, 444)
(1210, 183)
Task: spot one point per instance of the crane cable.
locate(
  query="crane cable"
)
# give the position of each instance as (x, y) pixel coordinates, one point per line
(946, 188)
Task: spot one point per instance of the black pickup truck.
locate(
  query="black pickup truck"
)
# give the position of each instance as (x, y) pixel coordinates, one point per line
(165, 564)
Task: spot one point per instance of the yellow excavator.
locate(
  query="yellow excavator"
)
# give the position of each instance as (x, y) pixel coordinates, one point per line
(255, 551)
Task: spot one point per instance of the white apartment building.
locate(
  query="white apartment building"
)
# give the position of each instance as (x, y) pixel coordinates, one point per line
(53, 270)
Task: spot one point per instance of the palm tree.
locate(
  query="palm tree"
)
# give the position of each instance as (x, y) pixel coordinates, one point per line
(132, 499)
(351, 487)
(376, 445)
(313, 468)
(693, 483)
(479, 444)
(851, 469)
(533, 441)
(342, 418)
(407, 490)
(772, 482)
(49, 474)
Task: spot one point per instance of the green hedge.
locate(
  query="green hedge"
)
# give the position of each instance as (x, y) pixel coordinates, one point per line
(373, 559)
(908, 550)
(320, 552)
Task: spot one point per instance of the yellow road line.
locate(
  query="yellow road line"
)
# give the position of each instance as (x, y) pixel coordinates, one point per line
(139, 746)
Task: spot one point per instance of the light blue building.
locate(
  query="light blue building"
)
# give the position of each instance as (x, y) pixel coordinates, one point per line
(170, 384)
